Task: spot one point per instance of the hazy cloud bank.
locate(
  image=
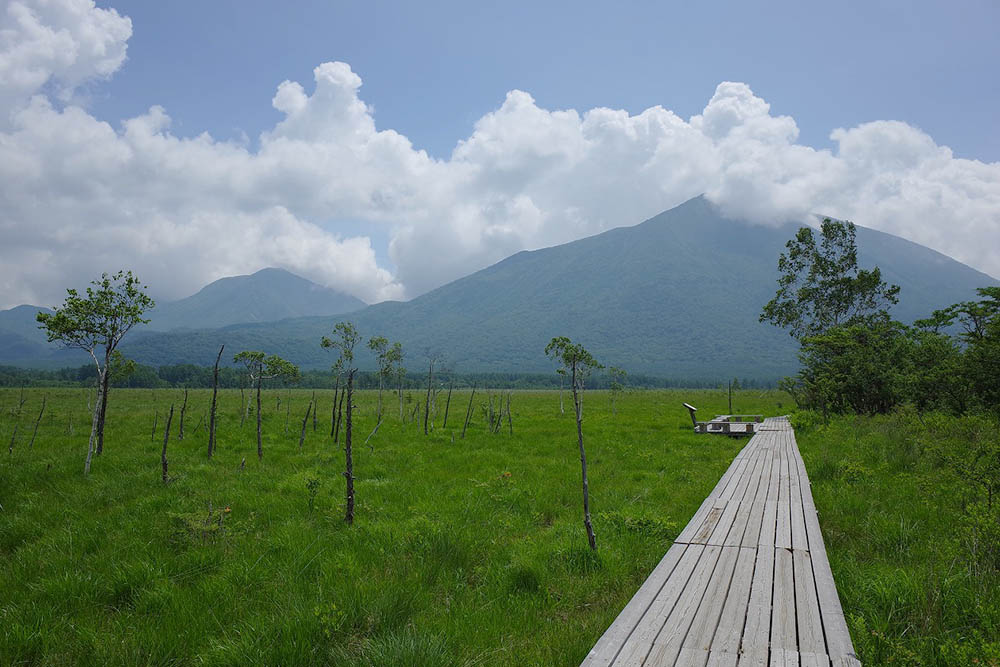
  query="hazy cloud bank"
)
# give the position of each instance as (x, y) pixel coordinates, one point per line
(79, 196)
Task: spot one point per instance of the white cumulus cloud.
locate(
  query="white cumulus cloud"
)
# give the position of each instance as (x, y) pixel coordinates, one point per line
(79, 195)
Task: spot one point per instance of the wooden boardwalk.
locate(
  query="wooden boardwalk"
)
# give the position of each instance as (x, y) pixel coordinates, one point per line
(747, 582)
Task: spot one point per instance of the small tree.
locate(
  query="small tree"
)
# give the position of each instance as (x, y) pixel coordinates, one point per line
(261, 368)
(616, 377)
(577, 362)
(96, 324)
(344, 340)
(822, 287)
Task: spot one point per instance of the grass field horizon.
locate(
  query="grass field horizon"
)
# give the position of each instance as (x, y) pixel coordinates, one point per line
(464, 552)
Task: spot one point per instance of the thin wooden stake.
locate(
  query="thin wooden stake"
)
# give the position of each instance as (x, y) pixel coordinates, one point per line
(468, 413)
(180, 427)
(166, 439)
(305, 420)
(37, 422)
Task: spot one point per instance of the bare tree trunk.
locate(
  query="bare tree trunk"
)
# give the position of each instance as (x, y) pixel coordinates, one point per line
(348, 455)
(105, 381)
(447, 404)
(562, 381)
(260, 444)
(468, 413)
(180, 427)
(93, 423)
(333, 410)
(211, 412)
(152, 434)
(305, 421)
(37, 422)
(510, 421)
(244, 407)
(314, 411)
(166, 439)
(13, 437)
(340, 414)
(427, 403)
(578, 404)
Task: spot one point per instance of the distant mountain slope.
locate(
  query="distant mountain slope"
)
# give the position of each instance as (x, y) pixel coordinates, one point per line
(677, 296)
(265, 296)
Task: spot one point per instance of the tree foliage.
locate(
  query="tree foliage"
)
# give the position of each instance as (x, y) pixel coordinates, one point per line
(97, 323)
(821, 286)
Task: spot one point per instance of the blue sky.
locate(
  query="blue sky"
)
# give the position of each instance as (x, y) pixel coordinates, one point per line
(384, 149)
(431, 69)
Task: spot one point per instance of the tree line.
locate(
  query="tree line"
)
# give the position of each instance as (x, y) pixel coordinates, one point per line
(855, 358)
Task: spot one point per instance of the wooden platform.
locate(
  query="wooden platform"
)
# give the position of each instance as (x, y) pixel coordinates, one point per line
(747, 582)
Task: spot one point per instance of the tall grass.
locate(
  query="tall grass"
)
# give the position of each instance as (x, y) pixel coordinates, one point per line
(464, 551)
(912, 540)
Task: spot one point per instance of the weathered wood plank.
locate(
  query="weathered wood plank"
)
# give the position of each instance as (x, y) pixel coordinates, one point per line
(807, 612)
(637, 646)
(706, 620)
(783, 633)
(667, 644)
(610, 643)
(734, 612)
(757, 630)
(747, 582)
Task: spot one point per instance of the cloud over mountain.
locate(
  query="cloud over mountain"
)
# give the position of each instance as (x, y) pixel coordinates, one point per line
(79, 196)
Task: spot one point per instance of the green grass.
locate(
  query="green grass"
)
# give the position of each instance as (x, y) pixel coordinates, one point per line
(913, 546)
(464, 552)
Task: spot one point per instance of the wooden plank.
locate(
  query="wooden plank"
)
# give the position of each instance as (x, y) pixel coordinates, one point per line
(636, 647)
(690, 657)
(667, 644)
(798, 526)
(610, 643)
(814, 659)
(783, 633)
(741, 522)
(734, 612)
(769, 522)
(807, 612)
(784, 658)
(754, 658)
(783, 528)
(706, 620)
(757, 630)
(721, 659)
(726, 521)
(838, 638)
(756, 516)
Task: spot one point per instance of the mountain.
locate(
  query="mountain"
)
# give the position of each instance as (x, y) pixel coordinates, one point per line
(265, 296)
(676, 296)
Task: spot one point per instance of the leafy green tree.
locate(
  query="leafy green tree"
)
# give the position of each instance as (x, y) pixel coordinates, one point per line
(97, 323)
(980, 322)
(859, 368)
(576, 362)
(261, 368)
(345, 338)
(821, 287)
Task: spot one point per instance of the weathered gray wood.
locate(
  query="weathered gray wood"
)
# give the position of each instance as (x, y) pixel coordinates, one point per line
(667, 643)
(734, 612)
(747, 582)
(757, 630)
(807, 605)
(607, 648)
(637, 646)
(783, 634)
(706, 620)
